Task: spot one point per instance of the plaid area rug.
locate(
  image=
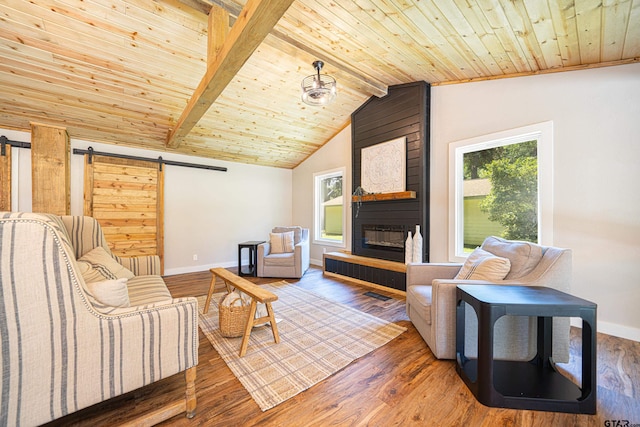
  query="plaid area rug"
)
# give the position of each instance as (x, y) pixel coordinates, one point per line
(318, 337)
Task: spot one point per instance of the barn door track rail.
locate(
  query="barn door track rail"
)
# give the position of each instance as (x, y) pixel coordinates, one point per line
(4, 141)
(91, 152)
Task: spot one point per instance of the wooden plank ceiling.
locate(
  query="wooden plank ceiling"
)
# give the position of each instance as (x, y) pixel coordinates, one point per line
(125, 71)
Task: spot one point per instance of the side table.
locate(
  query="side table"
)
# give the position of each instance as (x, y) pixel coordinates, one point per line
(252, 247)
(533, 384)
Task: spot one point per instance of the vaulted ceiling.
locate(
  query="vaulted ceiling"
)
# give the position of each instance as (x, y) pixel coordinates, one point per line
(138, 72)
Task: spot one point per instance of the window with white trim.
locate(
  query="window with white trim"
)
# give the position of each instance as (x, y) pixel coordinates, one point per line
(329, 208)
(501, 184)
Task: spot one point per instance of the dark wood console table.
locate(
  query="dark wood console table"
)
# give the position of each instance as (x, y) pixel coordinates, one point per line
(526, 385)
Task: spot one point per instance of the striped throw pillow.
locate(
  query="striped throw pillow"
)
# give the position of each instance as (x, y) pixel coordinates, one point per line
(483, 265)
(281, 243)
(102, 264)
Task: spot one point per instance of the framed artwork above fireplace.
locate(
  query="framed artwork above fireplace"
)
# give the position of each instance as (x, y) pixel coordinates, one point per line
(384, 167)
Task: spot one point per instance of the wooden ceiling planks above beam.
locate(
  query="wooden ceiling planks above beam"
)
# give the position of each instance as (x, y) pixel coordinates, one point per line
(287, 44)
(282, 42)
(256, 20)
(363, 82)
(123, 71)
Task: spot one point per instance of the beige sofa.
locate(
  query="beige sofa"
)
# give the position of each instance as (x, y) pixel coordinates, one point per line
(65, 345)
(431, 301)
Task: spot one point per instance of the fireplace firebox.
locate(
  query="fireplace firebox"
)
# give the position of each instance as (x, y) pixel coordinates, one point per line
(385, 237)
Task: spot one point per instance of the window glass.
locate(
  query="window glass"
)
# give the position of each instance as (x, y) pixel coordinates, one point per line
(329, 215)
(500, 190)
(502, 186)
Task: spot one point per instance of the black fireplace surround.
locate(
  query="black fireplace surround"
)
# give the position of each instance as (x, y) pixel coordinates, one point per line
(379, 228)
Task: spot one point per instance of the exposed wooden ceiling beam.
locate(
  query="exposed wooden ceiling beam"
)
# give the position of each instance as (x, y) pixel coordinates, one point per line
(200, 5)
(229, 5)
(204, 6)
(255, 22)
(218, 30)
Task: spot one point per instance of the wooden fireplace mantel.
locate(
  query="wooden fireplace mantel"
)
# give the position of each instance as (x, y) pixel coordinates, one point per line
(375, 197)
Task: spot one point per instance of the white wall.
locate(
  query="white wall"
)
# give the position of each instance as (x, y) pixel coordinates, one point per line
(207, 213)
(334, 154)
(595, 115)
(596, 149)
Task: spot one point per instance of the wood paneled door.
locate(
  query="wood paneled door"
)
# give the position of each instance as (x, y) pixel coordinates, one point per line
(127, 198)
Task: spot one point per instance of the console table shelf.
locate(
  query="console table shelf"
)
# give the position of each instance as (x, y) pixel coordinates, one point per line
(378, 197)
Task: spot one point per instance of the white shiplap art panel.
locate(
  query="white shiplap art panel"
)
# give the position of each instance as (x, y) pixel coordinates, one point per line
(384, 166)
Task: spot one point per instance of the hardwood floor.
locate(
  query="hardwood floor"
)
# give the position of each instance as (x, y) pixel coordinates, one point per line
(400, 383)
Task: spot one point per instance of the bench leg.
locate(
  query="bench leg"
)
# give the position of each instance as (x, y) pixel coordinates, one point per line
(230, 287)
(205, 310)
(247, 329)
(274, 325)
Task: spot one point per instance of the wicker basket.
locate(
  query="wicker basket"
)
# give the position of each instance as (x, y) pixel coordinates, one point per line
(233, 315)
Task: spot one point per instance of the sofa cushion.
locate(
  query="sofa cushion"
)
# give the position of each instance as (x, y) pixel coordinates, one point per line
(104, 264)
(281, 242)
(420, 298)
(524, 256)
(483, 265)
(280, 260)
(147, 290)
(297, 232)
(111, 292)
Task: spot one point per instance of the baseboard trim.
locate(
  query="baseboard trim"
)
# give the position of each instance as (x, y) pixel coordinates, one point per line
(197, 268)
(620, 331)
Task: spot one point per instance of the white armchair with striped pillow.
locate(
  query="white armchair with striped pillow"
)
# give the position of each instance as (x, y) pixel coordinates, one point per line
(67, 343)
(286, 254)
(431, 298)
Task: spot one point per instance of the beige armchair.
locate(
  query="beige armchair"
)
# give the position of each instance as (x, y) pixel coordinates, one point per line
(291, 262)
(70, 342)
(431, 301)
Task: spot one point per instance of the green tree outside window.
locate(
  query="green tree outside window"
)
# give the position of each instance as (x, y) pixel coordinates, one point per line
(513, 198)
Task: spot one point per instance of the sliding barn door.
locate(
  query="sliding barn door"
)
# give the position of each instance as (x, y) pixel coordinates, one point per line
(126, 197)
(5, 179)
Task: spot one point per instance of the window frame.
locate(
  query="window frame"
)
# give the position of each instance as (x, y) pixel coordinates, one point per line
(543, 134)
(317, 205)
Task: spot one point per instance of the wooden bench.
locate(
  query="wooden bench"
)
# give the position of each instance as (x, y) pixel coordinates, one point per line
(257, 294)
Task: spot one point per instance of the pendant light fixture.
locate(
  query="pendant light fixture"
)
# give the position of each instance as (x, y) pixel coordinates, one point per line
(318, 89)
